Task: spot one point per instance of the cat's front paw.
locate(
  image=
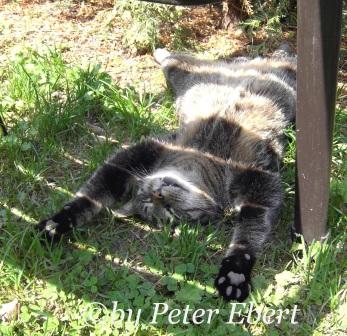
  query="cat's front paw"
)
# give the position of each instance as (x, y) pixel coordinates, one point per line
(53, 228)
(49, 229)
(234, 279)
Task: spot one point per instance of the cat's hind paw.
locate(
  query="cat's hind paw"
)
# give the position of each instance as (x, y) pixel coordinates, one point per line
(160, 54)
(234, 279)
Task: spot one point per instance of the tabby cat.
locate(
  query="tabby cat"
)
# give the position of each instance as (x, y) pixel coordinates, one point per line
(224, 158)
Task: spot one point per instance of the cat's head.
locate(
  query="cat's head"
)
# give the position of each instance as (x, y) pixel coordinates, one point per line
(168, 195)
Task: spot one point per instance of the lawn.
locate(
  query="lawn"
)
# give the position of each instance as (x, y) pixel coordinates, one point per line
(64, 117)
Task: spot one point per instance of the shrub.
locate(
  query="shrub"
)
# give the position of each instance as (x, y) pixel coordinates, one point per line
(268, 14)
(145, 24)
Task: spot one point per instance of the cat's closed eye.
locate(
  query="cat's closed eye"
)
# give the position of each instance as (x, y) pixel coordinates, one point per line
(169, 181)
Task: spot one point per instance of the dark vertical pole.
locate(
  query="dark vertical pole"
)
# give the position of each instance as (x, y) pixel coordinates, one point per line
(3, 127)
(319, 27)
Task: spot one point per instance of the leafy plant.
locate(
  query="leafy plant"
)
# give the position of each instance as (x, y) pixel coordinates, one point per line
(145, 23)
(48, 94)
(270, 15)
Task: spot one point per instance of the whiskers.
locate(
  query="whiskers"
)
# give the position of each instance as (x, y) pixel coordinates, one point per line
(207, 210)
(139, 173)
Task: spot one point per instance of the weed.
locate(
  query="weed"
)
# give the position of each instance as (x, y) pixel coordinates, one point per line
(145, 24)
(270, 15)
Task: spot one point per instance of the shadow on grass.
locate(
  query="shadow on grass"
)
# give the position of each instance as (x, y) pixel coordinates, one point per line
(136, 267)
(131, 267)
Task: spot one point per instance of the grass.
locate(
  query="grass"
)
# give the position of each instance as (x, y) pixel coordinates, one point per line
(63, 122)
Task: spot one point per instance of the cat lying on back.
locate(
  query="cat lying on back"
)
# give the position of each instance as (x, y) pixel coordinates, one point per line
(224, 157)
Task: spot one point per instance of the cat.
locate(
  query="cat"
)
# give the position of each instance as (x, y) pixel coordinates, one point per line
(224, 158)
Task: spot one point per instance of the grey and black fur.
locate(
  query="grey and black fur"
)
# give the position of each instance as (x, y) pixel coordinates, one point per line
(224, 157)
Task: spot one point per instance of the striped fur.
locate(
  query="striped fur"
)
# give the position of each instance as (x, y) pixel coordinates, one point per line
(224, 158)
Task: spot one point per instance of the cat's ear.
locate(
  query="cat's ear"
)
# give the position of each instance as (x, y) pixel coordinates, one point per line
(127, 210)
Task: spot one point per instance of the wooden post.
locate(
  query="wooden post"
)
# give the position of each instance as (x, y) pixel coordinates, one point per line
(319, 30)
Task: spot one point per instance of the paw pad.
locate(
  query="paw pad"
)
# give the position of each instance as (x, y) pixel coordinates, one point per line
(221, 280)
(236, 278)
(233, 280)
(51, 227)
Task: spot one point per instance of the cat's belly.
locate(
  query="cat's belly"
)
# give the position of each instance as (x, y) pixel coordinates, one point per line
(232, 123)
(229, 142)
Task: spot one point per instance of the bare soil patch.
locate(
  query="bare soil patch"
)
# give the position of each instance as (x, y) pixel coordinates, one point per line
(90, 32)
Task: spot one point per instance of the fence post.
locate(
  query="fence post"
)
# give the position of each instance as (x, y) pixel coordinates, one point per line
(319, 30)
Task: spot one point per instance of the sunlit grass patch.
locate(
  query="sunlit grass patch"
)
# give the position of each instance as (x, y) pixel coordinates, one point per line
(63, 122)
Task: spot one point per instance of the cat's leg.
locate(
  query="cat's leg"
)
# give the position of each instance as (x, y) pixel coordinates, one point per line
(260, 198)
(181, 71)
(104, 188)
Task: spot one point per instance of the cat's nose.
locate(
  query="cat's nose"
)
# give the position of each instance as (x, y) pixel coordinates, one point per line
(157, 194)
